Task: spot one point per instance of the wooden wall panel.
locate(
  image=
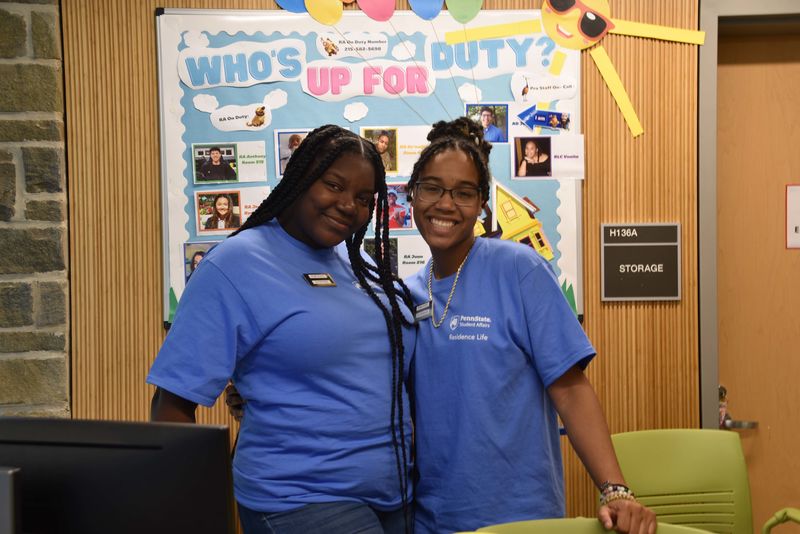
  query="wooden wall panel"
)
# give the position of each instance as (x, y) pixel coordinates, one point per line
(646, 373)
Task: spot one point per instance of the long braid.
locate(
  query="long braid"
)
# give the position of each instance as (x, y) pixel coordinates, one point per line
(310, 160)
(395, 320)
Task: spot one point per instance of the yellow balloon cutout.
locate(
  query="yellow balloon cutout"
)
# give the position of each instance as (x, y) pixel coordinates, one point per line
(325, 11)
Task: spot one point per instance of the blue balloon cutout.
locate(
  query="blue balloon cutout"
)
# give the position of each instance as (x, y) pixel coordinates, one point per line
(426, 9)
(295, 6)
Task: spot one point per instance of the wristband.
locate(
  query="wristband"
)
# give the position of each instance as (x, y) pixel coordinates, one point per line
(610, 492)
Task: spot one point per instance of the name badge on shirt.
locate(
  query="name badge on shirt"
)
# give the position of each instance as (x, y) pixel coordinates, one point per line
(423, 311)
(319, 279)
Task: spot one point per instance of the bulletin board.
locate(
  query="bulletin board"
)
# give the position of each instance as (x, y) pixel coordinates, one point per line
(239, 89)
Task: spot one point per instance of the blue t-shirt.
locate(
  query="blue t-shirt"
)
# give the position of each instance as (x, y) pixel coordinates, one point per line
(493, 134)
(488, 448)
(313, 364)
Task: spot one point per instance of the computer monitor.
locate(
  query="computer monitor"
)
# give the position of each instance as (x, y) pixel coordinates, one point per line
(79, 476)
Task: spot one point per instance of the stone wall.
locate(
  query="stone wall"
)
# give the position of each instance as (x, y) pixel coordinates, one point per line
(34, 291)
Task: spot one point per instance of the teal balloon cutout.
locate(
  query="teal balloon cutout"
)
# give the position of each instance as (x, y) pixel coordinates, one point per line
(295, 6)
(464, 10)
(426, 9)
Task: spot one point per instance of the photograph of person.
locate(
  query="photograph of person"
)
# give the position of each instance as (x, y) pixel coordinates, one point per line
(286, 143)
(193, 254)
(218, 210)
(399, 210)
(386, 142)
(493, 118)
(533, 156)
(214, 163)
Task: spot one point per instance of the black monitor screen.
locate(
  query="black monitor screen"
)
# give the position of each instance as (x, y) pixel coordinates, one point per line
(107, 476)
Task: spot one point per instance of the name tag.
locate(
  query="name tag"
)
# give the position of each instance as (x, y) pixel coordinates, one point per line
(423, 311)
(319, 279)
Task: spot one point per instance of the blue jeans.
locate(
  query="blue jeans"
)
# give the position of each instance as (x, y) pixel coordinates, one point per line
(341, 517)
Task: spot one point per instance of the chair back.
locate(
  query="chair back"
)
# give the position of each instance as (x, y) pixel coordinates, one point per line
(696, 478)
(575, 525)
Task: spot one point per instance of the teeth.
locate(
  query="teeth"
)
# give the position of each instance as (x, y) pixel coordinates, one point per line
(444, 224)
(562, 31)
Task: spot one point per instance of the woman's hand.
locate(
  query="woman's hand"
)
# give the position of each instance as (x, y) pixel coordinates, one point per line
(627, 516)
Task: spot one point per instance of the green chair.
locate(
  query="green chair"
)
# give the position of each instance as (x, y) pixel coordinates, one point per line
(577, 525)
(694, 478)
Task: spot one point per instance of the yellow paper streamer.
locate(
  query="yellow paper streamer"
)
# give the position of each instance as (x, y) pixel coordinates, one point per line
(614, 85)
(495, 31)
(652, 31)
(557, 64)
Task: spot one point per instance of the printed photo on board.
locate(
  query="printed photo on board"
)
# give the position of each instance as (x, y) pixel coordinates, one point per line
(493, 118)
(532, 157)
(399, 209)
(193, 254)
(218, 210)
(286, 142)
(385, 140)
(214, 163)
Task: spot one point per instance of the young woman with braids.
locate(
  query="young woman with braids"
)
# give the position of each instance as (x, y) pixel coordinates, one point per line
(500, 356)
(318, 342)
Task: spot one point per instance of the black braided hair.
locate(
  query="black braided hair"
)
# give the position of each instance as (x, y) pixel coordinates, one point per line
(316, 153)
(462, 134)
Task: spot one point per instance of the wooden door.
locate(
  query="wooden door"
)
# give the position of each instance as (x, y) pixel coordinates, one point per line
(758, 278)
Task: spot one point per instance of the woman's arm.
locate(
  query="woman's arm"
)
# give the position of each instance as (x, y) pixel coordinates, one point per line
(580, 411)
(522, 168)
(167, 406)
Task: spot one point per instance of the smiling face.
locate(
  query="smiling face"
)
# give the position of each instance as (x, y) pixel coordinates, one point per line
(382, 144)
(221, 207)
(576, 24)
(446, 227)
(486, 118)
(216, 156)
(335, 206)
(530, 150)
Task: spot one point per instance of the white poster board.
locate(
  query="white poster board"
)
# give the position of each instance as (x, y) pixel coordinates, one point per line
(238, 88)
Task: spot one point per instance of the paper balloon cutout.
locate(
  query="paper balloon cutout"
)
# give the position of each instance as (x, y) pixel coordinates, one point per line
(295, 6)
(380, 10)
(325, 11)
(464, 10)
(426, 9)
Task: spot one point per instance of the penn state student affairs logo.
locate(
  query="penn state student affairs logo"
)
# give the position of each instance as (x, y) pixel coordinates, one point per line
(454, 322)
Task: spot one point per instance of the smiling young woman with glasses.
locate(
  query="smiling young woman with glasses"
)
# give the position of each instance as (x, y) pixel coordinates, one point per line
(499, 355)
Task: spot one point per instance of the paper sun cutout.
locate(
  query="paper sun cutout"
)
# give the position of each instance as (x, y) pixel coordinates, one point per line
(578, 25)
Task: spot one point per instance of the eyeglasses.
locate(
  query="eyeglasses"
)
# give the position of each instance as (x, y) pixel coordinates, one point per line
(462, 196)
(592, 25)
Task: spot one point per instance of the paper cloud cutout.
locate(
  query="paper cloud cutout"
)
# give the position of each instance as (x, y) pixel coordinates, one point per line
(207, 103)
(276, 99)
(355, 112)
(194, 39)
(470, 93)
(404, 51)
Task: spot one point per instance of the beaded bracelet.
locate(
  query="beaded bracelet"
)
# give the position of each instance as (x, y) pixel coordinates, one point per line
(610, 492)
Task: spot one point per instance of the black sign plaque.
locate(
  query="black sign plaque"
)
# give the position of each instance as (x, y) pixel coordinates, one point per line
(640, 262)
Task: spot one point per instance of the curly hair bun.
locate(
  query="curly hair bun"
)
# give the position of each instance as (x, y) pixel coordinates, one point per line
(461, 128)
